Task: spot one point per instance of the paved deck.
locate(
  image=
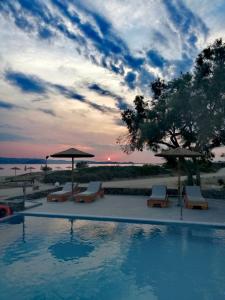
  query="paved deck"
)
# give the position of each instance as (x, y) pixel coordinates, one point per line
(18, 191)
(133, 207)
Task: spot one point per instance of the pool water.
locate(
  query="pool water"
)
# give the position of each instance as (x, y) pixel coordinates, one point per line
(55, 258)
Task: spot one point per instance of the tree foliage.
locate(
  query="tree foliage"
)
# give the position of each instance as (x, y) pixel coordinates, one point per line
(188, 111)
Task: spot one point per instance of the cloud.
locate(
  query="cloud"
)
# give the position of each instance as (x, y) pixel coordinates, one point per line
(120, 102)
(9, 126)
(48, 111)
(101, 91)
(171, 41)
(183, 18)
(119, 122)
(8, 137)
(25, 82)
(33, 84)
(189, 26)
(68, 92)
(7, 105)
(159, 37)
(71, 94)
(101, 108)
(45, 33)
(89, 30)
(86, 59)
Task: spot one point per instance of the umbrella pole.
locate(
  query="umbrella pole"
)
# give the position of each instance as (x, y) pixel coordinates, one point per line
(24, 233)
(71, 230)
(179, 191)
(72, 172)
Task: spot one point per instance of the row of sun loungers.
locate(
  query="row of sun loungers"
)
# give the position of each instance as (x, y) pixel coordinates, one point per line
(93, 191)
(159, 197)
(192, 197)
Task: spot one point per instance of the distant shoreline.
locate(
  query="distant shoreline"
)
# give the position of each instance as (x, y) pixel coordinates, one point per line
(68, 162)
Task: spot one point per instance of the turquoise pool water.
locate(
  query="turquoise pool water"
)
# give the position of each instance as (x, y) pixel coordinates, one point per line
(53, 258)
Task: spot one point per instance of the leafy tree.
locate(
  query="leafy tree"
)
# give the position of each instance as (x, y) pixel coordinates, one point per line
(188, 111)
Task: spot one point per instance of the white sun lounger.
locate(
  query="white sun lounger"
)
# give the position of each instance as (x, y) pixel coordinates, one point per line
(93, 191)
(65, 193)
(158, 197)
(193, 198)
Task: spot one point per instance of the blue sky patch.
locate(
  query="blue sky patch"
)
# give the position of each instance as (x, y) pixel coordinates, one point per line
(26, 83)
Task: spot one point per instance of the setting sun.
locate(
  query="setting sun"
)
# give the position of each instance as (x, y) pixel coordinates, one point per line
(109, 158)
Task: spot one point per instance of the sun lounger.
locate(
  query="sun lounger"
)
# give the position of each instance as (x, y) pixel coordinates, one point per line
(93, 191)
(193, 198)
(65, 193)
(35, 185)
(158, 197)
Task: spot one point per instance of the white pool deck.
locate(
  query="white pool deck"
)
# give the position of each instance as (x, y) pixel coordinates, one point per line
(133, 208)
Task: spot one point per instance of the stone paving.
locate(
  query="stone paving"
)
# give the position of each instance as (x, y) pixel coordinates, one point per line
(134, 207)
(18, 191)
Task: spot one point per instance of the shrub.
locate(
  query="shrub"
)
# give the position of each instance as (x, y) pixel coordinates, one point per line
(45, 168)
(221, 182)
(81, 164)
(104, 173)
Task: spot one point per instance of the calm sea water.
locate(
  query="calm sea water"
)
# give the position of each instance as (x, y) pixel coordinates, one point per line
(50, 258)
(7, 168)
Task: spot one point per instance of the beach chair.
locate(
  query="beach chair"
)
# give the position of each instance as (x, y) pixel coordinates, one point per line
(193, 198)
(35, 185)
(65, 193)
(93, 191)
(158, 197)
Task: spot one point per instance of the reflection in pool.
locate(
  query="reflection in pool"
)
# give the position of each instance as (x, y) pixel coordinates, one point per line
(44, 258)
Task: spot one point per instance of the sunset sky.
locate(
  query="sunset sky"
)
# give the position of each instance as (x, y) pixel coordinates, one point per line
(68, 68)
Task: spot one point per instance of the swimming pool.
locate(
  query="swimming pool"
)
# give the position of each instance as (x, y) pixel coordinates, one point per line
(58, 258)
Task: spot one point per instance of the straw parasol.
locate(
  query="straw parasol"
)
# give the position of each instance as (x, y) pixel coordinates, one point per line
(179, 153)
(15, 169)
(31, 168)
(1, 168)
(72, 153)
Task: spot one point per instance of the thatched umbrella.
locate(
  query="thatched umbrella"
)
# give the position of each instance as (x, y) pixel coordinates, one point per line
(15, 168)
(31, 168)
(179, 153)
(1, 168)
(72, 153)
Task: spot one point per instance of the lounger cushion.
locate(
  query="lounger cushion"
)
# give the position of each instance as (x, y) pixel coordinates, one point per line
(194, 194)
(159, 192)
(93, 188)
(67, 188)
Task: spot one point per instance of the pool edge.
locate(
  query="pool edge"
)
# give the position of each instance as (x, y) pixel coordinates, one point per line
(123, 219)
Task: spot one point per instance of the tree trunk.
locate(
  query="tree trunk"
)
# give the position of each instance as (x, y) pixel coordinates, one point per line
(197, 172)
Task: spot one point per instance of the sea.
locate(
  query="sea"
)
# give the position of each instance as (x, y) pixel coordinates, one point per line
(8, 169)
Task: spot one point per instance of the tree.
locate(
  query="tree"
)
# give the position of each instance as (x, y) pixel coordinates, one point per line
(188, 111)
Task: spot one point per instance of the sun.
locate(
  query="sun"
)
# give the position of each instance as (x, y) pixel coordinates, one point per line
(109, 158)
